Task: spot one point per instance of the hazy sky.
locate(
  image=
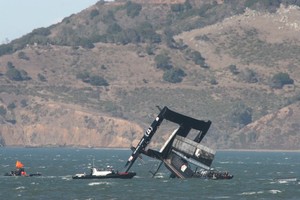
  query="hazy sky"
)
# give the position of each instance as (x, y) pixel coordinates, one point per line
(19, 17)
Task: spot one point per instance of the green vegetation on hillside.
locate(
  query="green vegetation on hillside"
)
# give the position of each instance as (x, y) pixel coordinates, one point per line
(16, 75)
(177, 18)
(234, 80)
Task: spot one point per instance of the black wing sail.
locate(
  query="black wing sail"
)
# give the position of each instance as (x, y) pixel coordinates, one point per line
(145, 139)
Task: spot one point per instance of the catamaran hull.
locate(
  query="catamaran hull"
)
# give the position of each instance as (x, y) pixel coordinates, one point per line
(216, 177)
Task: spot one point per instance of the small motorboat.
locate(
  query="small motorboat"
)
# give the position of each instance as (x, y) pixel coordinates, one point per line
(104, 174)
(16, 173)
(20, 171)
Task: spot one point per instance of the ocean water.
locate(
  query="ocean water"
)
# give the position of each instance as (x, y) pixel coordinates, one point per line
(257, 175)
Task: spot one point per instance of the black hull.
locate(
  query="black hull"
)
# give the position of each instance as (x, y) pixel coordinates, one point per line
(128, 175)
(28, 175)
(214, 177)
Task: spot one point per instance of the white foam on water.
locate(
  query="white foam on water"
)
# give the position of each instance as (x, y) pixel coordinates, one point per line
(250, 193)
(286, 180)
(224, 162)
(20, 188)
(66, 178)
(220, 197)
(99, 183)
(274, 191)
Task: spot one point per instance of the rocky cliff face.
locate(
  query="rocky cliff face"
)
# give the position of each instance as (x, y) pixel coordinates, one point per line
(65, 126)
(263, 134)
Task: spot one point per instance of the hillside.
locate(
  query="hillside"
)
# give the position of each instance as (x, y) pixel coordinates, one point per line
(94, 79)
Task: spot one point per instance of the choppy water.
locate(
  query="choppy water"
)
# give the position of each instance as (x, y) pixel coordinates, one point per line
(257, 175)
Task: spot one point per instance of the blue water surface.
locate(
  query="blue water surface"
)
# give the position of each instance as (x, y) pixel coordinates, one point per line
(257, 175)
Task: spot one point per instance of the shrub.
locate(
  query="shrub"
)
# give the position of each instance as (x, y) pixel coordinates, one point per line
(180, 8)
(147, 33)
(163, 62)
(94, 13)
(84, 76)
(133, 9)
(6, 49)
(85, 43)
(174, 75)
(109, 17)
(177, 7)
(24, 75)
(41, 31)
(41, 77)
(2, 111)
(233, 69)
(213, 81)
(249, 76)
(10, 65)
(12, 121)
(14, 74)
(150, 50)
(93, 80)
(113, 28)
(198, 59)
(280, 79)
(98, 81)
(23, 56)
(11, 106)
(23, 103)
(241, 114)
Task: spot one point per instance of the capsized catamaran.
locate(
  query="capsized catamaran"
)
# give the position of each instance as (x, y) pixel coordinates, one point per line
(179, 153)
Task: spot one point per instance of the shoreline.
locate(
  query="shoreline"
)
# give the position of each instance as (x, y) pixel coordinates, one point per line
(259, 150)
(123, 148)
